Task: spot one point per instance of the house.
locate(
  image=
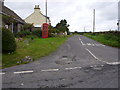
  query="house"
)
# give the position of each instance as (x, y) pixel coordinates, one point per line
(10, 19)
(37, 18)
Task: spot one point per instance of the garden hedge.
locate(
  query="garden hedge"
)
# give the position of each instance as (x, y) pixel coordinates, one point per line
(8, 41)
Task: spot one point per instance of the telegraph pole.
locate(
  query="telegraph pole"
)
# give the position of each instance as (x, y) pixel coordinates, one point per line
(93, 20)
(118, 16)
(46, 11)
(84, 29)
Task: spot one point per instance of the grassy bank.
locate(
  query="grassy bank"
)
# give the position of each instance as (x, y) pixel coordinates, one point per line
(111, 39)
(36, 49)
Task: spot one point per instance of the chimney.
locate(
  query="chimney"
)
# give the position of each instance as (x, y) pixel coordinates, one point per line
(37, 9)
(2, 2)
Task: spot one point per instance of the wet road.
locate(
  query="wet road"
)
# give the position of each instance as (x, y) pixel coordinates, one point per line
(79, 63)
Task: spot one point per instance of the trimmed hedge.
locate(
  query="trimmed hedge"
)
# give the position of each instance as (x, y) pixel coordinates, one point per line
(8, 41)
(37, 33)
(22, 34)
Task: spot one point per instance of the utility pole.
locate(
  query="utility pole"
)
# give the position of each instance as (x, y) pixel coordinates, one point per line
(46, 11)
(118, 24)
(118, 16)
(93, 20)
(84, 29)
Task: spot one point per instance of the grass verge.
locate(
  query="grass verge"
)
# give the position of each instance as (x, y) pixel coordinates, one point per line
(36, 49)
(110, 39)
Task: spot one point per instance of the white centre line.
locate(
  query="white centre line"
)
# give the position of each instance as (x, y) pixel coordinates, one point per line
(2, 73)
(73, 68)
(21, 72)
(81, 41)
(49, 70)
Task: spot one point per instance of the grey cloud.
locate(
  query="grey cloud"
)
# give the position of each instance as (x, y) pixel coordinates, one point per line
(106, 10)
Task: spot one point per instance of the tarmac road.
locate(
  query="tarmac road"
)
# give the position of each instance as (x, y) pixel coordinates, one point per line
(79, 63)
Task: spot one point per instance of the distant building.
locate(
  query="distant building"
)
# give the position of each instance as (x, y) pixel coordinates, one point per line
(37, 18)
(5, 12)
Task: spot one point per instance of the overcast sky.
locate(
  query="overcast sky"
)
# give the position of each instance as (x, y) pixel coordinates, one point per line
(78, 13)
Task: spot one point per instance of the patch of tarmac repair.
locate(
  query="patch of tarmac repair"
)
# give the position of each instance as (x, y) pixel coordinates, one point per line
(65, 60)
(92, 70)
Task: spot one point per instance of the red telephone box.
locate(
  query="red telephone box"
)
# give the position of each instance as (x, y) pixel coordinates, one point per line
(45, 30)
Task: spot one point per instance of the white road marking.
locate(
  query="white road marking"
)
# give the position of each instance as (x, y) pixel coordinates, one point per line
(73, 68)
(103, 45)
(96, 68)
(102, 65)
(21, 72)
(109, 63)
(98, 44)
(81, 41)
(49, 70)
(96, 57)
(113, 63)
(91, 66)
(92, 54)
(22, 84)
(2, 73)
(93, 44)
(88, 44)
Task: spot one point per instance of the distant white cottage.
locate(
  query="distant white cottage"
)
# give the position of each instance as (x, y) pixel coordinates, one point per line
(37, 18)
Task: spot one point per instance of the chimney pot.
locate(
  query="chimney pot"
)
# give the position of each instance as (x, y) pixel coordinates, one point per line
(37, 8)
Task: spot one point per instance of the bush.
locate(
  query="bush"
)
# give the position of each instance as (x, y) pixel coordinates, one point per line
(37, 33)
(8, 41)
(22, 34)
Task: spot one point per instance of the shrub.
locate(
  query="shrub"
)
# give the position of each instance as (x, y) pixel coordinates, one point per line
(8, 41)
(22, 34)
(37, 33)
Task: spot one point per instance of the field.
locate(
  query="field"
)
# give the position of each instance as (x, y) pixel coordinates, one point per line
(111, 39)
(35, 49)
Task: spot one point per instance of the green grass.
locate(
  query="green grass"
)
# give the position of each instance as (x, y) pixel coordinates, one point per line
(36, 49)
(110, 39)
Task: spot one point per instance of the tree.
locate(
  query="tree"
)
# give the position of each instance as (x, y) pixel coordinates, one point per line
(8, 20)
(63, 26)
(53, 31)
(28, 26)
